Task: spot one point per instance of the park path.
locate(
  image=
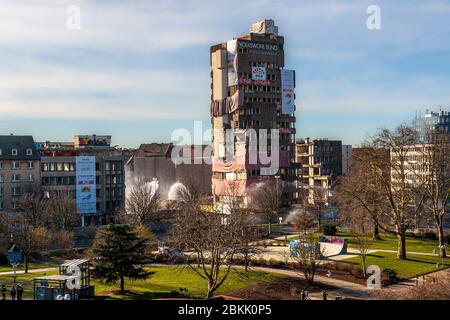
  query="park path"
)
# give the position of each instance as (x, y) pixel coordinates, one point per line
(345, 288)
(5, 273)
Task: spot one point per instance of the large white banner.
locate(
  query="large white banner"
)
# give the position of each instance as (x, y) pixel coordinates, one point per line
(86, 185)
(287, 91)
(231, 62)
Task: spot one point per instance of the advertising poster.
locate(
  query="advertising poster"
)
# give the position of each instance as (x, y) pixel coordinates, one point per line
(86, 186)
(287, 92)
(232, 62)
(259, 73)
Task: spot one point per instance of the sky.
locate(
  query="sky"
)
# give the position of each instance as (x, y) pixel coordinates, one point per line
(138, 70)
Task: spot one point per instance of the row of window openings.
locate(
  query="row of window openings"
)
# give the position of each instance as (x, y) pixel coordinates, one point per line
(16, 178)
(58, 181)
(16, 165)
(15, 152)
(70, 166)
(15, 191)
(111, 193)
(323, 160)
(323, 148)
(109, 205)
(246, 75)
(261, 99)
(248, 88)
(267, 65)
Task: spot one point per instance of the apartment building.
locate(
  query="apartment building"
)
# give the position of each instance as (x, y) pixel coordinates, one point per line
(320, 163)
(252, 94)
(99, 196)
(19, 169)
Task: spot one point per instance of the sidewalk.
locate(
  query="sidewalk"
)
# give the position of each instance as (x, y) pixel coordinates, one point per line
(347, 289)
(5, 273)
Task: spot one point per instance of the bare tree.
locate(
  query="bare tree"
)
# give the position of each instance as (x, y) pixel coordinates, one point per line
(433, 168)
(388, 193)
(355, 192)
(315, 201)
(143, 203)
(304, 223)
(212, 240)
(266, 200)
(62, 211)
(307, 256)
(360, 225)
(28, 237)
(35, 207)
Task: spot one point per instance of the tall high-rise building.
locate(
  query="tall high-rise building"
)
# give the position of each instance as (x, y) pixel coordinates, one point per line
(252, 114)
(431, 122)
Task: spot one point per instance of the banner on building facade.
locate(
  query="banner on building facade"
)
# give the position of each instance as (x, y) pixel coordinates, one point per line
(259, 73)
(287, 91)
(232, 63)
(86, 185)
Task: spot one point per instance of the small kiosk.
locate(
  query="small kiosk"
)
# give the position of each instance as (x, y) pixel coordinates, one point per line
(73, 282)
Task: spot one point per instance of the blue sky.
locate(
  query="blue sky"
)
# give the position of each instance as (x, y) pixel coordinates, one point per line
(140, 69)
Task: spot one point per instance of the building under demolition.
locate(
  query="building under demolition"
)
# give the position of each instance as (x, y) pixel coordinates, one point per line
(252, 114)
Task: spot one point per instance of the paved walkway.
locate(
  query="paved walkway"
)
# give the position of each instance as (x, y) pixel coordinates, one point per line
(347, 289)
(5, 273)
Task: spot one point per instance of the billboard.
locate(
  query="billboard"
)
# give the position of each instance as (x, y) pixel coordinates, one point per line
(92, 141)
(287, 91)
(86, 185)
(259, 73)
(232, 63)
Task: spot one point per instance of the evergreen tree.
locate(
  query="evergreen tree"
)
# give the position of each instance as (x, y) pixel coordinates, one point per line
(120, 254)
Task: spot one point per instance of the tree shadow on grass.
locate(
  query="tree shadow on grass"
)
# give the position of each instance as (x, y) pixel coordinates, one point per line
(138, 295)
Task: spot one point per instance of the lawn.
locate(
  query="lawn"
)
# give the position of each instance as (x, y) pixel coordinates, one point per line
(389, 242)
(414, 265)
(166, 280)
(162, 283)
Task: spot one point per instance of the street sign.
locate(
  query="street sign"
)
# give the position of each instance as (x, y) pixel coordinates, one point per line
(14, 255)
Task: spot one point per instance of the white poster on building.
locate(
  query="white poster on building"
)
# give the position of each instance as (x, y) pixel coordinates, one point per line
(232, 62)
(259, 73)
(86, 185)
(287, 91)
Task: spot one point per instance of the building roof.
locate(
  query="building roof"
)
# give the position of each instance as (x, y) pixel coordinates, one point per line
(21, 143)
(74, 263)
(154, 150)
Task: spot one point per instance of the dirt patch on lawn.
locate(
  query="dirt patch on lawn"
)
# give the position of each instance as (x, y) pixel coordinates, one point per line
(282, 289)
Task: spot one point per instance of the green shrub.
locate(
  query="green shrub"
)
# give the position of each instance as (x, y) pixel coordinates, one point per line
(447, 239)
(389, 276)
(431, 235)
(329, 230)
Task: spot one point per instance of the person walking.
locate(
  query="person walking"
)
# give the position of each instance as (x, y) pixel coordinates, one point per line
(19, 292)
(3, 292)
(12, 292)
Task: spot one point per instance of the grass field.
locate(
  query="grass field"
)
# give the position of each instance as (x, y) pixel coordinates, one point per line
(387, 242)
(163, 283)
(414, 265)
